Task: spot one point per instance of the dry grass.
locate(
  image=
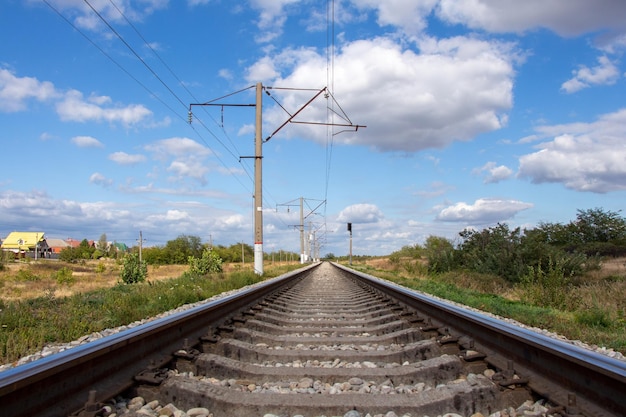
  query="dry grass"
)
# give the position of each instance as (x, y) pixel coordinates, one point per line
(23, 280)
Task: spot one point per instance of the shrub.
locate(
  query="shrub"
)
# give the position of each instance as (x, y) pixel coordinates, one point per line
(210, 262)
(548, 286)
(100, 268)
(132, 270)
(65, 276)
(26, 275)
(593, 317)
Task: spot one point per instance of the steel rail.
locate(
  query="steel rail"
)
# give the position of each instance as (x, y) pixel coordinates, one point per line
(556, 369)
(60, 384)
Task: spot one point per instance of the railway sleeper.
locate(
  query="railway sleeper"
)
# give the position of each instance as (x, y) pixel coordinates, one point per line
(462, 396)
(371, 311)
(432, 371)
(402, 336)
(340, 328)
(329, 322)
(243, 351)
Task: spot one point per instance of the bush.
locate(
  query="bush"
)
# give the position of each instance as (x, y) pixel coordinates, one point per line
(132, 270)
(26, 275)
(210, 262)
(549, 287)
(65, 276)
(100, 268)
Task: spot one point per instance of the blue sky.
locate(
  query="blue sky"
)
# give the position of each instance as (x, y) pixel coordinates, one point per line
(477, 112)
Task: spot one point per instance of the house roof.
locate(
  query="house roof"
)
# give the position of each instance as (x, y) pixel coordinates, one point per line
(22, 240)
(57, 243)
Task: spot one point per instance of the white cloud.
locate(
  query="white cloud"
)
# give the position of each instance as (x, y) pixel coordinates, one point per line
(16, 91)
(483, 211)
(87, 142)
(495, 173)
(99, 179)
(85, 18)
(123, 158)
(272, 17)
(187, 158)
(177, 147)
(565, 17)
(360, 213)
(408, 15)
(581, 156)
(75, 108)
(605, 73)
(453, 90)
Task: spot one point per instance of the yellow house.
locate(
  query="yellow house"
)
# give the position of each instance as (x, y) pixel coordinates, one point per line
(21, 243)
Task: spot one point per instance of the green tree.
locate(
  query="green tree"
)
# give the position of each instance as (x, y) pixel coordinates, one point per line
(495, 250)
(209, 263)
(103, 244)
(132, 270)
(440, 253)
(178, 250)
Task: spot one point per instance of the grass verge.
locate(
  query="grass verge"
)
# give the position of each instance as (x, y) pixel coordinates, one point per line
(587, 319)
(26, 326)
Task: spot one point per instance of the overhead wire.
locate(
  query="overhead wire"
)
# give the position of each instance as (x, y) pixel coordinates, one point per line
(147, 89)
(168, 88)
(153, 72)
(180, 82)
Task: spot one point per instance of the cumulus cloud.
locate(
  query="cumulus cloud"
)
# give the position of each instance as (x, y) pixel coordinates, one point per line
(605, 73)
(85, 18)
(87, 142)
(483, 211)
(16, 91)
(74, 107)
(581, 156)
(99, 179)
(272, 17)
(124, 158)
(564, 17)
(360, 213)
(186, 156)
(408, 15)
(493, 172)
(453, 90)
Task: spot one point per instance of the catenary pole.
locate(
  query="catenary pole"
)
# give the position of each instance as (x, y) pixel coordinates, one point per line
(258, 172)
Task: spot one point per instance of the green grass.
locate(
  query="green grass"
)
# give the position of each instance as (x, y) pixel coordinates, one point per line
(27, 326)
(598, 325)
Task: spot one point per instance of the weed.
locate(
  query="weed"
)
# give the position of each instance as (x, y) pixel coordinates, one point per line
(65, 276)
(100, 268)
(24, 275)
(594, 317)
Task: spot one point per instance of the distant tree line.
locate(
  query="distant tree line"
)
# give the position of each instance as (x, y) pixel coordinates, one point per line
(178, 251)
(572, 248)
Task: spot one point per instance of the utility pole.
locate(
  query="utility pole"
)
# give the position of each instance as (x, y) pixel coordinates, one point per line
(258, 196)
(141, 240)
(258, 156)
(301, 231)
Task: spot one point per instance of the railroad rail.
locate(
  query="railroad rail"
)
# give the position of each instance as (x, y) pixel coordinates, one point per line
(322, 330)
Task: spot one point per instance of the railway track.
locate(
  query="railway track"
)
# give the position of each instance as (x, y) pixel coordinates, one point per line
(321, 341)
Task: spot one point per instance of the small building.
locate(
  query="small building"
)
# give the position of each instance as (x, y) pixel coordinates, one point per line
(76, 243)
(57, 245)
(22, 244)
(118, 247)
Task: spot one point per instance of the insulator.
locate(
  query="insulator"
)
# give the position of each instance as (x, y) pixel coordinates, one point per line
(190, 116)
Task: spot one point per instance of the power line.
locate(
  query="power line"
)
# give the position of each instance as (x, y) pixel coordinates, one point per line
(150, 92)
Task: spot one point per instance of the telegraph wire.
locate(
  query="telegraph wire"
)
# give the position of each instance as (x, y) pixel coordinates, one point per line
(153, 94)
(150, 92)
(180, 82)
(135, 53)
